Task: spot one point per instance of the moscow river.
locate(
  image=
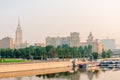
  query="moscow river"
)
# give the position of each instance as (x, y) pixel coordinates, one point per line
(73, 74)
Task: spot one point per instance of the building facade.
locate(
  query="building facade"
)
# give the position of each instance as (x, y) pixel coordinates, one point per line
(108, 44)
(74, 39)
(50, 41)
(57, 41)
(39, 44)
(116, 53)
(7, 43)
(24, 45)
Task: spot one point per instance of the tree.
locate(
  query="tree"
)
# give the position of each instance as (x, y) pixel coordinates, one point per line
(85, 51)
(17, 53)
(58, 51)
(66, 51)
(9, 53)
(38, 52)
(23, 53)
(3, 53)
(51, 51)
(108, 53)
(103, 55)
(81, 51)
(89, 50)
(43, 54)
(95, 55)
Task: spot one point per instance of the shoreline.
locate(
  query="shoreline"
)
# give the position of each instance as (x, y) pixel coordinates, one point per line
(34, 72)
(11, 67)
(34, 68)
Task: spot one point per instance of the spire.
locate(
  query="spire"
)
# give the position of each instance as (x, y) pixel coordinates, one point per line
(18, 21)
(90, 34)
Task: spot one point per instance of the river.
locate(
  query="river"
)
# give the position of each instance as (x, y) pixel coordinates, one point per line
(71, 74)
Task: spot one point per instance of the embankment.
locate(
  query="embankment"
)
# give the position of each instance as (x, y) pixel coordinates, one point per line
(33, 66)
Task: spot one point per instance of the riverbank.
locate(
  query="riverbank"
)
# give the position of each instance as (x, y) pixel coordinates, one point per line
(32, 66)
(34, 72)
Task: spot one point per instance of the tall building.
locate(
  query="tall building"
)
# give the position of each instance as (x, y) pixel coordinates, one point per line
(108, 44)
(90, 38)
(74, 39)
(19, 36)
(7, 43)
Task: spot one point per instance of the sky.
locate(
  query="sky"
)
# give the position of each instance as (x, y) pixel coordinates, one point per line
(42, 18)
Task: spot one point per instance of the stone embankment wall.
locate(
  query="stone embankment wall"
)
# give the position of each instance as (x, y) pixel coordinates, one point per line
(33, 66)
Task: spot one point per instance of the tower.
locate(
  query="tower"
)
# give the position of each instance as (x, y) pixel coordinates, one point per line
(18, 37)
(90, 38)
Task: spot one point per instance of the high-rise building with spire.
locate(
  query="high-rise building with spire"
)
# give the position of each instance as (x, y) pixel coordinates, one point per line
(90, 38)
(97, 46)
(19, 36)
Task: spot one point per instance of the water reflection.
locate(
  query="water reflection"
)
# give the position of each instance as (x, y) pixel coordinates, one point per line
(60, 76)
(93, 73)
(18, 78)
(74, 74)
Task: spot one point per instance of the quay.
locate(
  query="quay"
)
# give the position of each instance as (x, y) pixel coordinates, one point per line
(36, 68)
(33, 68)
(34, 72)
(33, 65)
(12, 67)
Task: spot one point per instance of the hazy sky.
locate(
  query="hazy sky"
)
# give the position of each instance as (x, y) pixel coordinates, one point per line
(42, 18)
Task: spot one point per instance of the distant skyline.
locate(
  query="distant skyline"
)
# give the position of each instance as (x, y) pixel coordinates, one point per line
(42, 18)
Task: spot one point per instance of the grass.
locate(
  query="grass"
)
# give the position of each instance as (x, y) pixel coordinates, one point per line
(11, 60)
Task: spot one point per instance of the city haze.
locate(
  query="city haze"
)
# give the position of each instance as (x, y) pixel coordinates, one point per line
(42, 18)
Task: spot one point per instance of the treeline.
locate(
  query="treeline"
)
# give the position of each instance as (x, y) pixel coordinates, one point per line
(43, 53)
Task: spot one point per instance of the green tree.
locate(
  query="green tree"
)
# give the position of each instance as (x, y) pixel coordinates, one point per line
(17, 53)
(51, 51)
(86, 51)
(108, 53)
(81, 51)
(9, 53)
(43, 54)
(66, 51)
(38, 52)
(89, 50)
(95, 55)
(103, 55)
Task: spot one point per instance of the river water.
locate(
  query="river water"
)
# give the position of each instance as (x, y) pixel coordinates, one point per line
(75, 74)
